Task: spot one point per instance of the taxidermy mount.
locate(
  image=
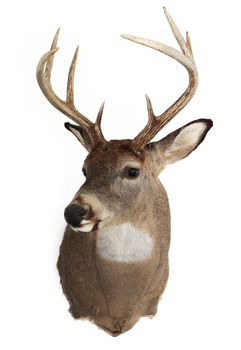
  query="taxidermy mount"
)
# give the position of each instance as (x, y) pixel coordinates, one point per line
(113, 261)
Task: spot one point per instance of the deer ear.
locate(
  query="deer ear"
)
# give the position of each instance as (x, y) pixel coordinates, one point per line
(81, 135)
(179, 143)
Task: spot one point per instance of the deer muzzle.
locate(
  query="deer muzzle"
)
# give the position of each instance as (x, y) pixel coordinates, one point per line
(80, 217)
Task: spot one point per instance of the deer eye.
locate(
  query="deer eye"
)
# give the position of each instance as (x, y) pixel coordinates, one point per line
(132, 172)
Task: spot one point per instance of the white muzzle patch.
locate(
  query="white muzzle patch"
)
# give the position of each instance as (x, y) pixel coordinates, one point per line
(85, 226)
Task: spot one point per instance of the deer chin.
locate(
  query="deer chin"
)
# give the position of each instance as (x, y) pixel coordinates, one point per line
(86, 226)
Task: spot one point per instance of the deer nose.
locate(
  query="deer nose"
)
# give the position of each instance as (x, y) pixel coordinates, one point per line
(74, 213)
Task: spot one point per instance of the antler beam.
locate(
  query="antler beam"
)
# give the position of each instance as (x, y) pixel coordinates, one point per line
(156, 123)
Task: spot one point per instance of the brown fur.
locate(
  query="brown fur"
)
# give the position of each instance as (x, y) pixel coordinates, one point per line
(115, 295)
(112, 294)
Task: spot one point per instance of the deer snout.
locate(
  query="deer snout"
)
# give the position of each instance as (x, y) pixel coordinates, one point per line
(75, 213)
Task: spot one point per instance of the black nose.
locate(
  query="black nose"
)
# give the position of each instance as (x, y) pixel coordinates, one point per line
(74, 213)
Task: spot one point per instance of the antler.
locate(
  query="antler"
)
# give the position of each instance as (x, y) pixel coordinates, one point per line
(156, 123)
(67, 107)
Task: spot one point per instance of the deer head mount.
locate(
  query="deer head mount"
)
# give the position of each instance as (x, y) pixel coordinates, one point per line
(113, 260)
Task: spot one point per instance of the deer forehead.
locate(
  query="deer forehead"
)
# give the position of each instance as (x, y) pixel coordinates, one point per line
(111, 167)
(115, 154)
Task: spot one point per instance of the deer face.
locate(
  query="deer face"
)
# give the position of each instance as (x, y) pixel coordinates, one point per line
(116, 177)
(121, 179)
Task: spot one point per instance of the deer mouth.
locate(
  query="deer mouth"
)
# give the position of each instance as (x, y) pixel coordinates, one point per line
(87, 225)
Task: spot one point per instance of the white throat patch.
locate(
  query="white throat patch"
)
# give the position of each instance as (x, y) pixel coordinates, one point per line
(124, 243)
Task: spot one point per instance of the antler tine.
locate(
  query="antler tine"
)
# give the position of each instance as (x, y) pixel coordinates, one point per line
(70, 83)
(156, 123)
(189, 45)
(98, 121)
(67, 107)
(49, 64)
(151, 114)
(176, 32)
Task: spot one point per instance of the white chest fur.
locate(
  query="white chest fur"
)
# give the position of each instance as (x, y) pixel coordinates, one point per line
(124, 243)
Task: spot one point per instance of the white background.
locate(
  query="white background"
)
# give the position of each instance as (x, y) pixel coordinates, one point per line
(41, 165)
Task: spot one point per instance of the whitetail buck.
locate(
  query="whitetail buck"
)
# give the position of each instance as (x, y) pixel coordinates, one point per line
(113, 260)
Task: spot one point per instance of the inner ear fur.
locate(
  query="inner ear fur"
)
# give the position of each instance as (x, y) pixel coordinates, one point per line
(178, 144)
